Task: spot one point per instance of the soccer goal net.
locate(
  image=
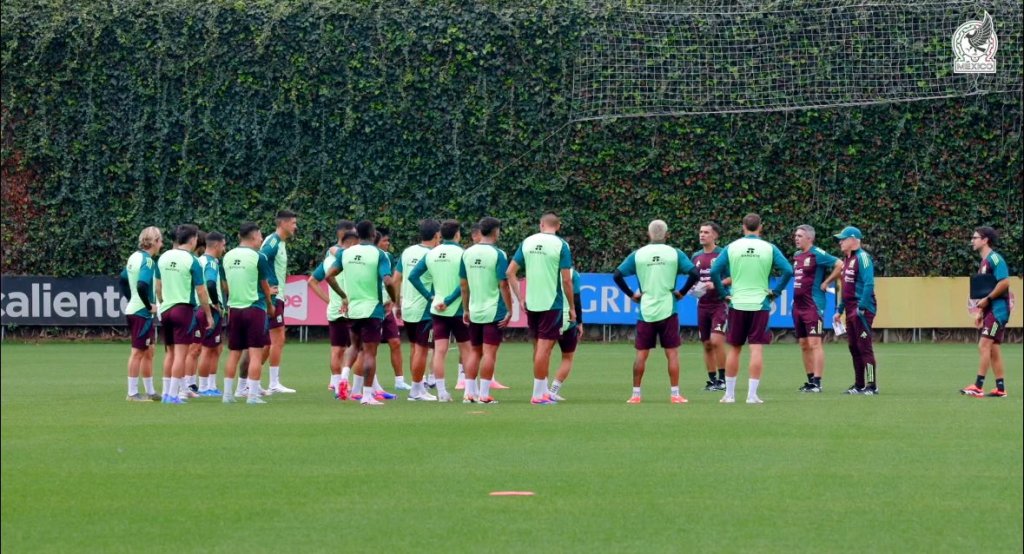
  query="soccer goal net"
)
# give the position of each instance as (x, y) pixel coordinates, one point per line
(639, 59)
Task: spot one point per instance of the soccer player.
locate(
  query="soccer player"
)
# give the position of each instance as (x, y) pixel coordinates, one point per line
(569, 341)
(476, 237)
(711, 308)
(813, 270)
(413, 306)
(389, 331)
(993, 314)
(366, 267)
(337, 307)
(487, 302)
(442, 264)
(179, 280)
(656, 267)
(749, 260)
(138, 274)
(211, 343)
(247, 272)
(859, 307)
(276, 251)
(547, 261)
(190, 388)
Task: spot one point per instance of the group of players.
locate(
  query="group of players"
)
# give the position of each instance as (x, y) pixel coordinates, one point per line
(443, 292)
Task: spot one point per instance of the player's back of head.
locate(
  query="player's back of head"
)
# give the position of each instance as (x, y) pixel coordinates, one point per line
(751, 222)
(429, 228)
(247, 230)
(488, 225)
(449, 228)
(366, 230)
(184, 233)
(657, 230)
(551, 220)
(284, 215)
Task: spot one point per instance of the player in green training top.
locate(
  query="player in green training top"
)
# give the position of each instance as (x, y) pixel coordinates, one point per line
(749, 261)
(250, 304)
(138, 277)
(657, 267)
(442, 265)
(414, 308)
(993, 312)
(365, 267)
(179, 279)
(276, 251)
(212, 345)
(548, 264)
(337, 323)
(488, 302)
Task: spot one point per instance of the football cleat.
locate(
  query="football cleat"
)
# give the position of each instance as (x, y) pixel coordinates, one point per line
(727, 400)
(546, 399)
(343, 393)
(488, 400)
(370, 402)
(403, 386)
(425, 397)
(806, 388)
(468, 399)
(228, 399)
(495, 385)
(383, 395)
(678, 399)
(279, 388)
(754, 400)
(255, 400)
(137, 397)
(444, 397)
(634, 400)
(996, 393)
(154, 397)
(814, 388)
(710, 386)
(460, 384)
(973, 390)
(556, 397)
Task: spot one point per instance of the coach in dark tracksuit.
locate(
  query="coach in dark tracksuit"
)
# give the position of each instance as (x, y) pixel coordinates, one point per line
(860, 308)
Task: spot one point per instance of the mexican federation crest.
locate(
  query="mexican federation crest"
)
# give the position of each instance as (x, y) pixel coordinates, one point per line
(974, 46)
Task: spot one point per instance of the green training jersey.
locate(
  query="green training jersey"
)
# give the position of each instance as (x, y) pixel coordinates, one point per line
(320, 273)
(415, 307)
(244, 268)
(749, 262)
(276, 252)
(568, 300)
(212, 272)
(543, 256)
(179, 274)
(442, 263)
(656, 267)
(140, 267)
(365, 267)
(483, 267)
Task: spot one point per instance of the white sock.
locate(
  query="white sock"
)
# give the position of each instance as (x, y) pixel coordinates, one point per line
(540, 387)
(440, 385)
(400, 380)
(148, 383)
(730, 387)
(275, 375)
(227, 385)
(213, 381)
(752, 391)
(133, 386)
(367, 393)
(376, 384)
(675, 391)
(166, 386)
(462, 371)
(636, 391)
(417, 389)
(243, 384)
(335, 379)
(357, 383)
(430, 379)
(254, 388)
(471, 388)
(175, 386)
(556, 386)
(346, 373)
(485, 388)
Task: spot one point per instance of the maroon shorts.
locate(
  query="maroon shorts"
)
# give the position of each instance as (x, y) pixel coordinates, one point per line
(338, 330)
(666, 331)
(179, 324)
(367, 329)
(992, 329)
(485, 333)
(807, 322)
(747, 327)
(569, 340)
(389, 328)
(446, 327)
(711, 319)
(213, 335)
(142, 331)
(278, 319)
(419, 332)
(247, 328)
(545, 325)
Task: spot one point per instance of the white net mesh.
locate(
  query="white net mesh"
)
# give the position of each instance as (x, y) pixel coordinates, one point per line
(713, 57)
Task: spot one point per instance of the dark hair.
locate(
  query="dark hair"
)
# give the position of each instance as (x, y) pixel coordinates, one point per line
(429, 228)
(475, 228)
(349, 235)
(714, 227)
(200, 239)
(384, 231)
(488, 225)
(285, 215)
(365, 229)
(989, 233)
(184, 233)
(751, 222)
(449, 228)
(246, 230)
(214, 236)
(345, 225)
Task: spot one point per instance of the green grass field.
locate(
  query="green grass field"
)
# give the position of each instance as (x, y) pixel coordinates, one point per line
(917, 469)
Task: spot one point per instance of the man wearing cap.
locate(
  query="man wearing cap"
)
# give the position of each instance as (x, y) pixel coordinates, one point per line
(749, 261)
(860, 308)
